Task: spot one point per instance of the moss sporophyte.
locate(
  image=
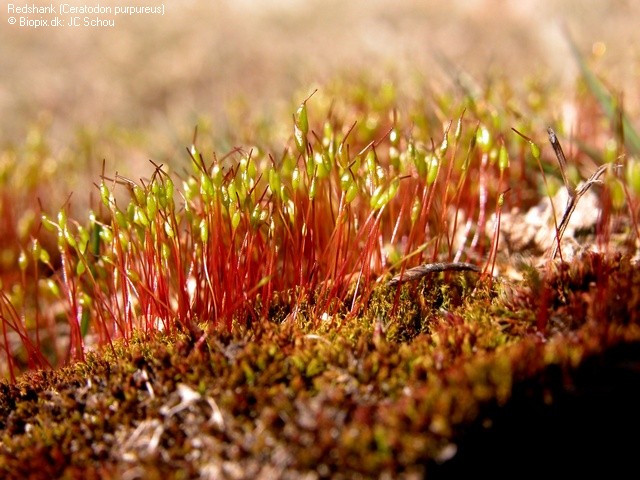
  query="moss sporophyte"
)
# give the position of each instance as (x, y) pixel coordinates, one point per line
(365, 299)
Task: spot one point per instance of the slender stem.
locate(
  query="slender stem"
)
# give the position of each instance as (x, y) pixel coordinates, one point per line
(420, 271)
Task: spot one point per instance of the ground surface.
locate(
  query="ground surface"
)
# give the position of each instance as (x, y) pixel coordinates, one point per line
(491, 394)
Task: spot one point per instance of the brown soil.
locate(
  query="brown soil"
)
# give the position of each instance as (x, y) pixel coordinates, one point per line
(487, 394)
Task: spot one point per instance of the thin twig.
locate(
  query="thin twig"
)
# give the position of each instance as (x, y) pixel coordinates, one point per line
(562, 160)
(572, 202)
(420, 271)
(574, 194)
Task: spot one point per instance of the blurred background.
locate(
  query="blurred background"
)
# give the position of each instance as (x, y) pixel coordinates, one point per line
(135, 91)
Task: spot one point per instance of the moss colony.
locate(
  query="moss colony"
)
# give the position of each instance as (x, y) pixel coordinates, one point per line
(275, 312)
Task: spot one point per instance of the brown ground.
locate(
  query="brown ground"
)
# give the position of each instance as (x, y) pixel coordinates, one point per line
(487, 397)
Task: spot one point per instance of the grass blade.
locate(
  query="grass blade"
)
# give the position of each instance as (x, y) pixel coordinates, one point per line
(605, 99)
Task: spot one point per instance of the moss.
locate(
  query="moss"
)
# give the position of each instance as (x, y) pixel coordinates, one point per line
(291, 400)
(272, 338)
